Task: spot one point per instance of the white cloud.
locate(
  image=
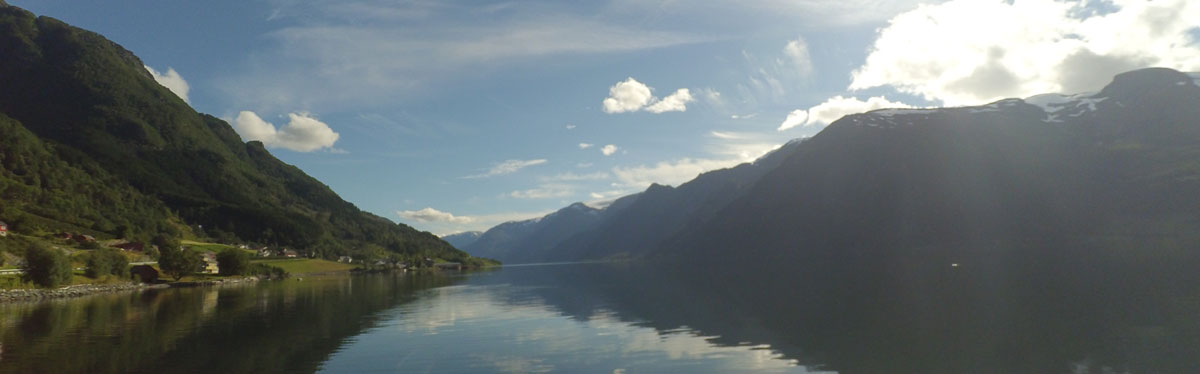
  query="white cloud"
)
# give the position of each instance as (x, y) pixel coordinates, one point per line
(545, 191)
(508, 167)
(797, 52)
(432, 215)
(570, 127)
(302, 133)
(627, 96)
(572, 177)
(795, 118)
(631, 96)
(172, 81)
(608, 150)
(676, 102)
(667, 172)
(835, 108)
(966, 52)
(585, 145)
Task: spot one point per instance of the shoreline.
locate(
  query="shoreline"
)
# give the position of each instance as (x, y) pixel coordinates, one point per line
(82, 290)
(79, 290)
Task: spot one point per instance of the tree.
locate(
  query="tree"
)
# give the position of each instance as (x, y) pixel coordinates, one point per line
(47, 267)
(106, 261)
(178, 263)
(233, 262)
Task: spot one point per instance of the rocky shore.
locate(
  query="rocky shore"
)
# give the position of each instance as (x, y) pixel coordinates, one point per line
(36, 294)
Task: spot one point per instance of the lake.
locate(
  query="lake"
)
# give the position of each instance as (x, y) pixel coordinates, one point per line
(594, 318)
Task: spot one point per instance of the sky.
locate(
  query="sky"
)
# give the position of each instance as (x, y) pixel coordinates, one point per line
(455, 115)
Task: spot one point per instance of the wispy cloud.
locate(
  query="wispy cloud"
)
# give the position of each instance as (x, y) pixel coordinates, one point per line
(378, 50)
(507, 167)
(432, 215)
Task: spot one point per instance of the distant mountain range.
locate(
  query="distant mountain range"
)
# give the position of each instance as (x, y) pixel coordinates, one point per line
(462, 239)
(1115, 169)
(89, 142)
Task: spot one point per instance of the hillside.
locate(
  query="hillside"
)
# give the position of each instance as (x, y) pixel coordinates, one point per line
(124, 156)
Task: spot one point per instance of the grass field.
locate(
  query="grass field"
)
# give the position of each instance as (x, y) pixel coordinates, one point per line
(297, 266)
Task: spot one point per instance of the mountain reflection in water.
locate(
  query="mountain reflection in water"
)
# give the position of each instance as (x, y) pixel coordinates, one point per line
(618, 318)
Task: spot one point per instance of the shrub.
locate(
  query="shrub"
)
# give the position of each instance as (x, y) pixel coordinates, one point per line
(178, 263)
(47, 267)
(106, 261)
(233, 262)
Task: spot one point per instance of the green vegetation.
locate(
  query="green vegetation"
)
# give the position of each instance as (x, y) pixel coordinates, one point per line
(306, 265)
(178, 263)
(47, 267)
(232, 261)
(106, 261)
(92, 144)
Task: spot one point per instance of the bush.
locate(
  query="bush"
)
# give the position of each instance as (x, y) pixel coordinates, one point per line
(178, 263)
(47, 267)
(233, 262)
(269, 271)
(106, 261)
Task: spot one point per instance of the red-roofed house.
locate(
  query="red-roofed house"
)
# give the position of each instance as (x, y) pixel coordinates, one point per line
(3, 229)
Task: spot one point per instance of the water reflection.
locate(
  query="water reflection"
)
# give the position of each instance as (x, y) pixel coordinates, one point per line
(619, 318)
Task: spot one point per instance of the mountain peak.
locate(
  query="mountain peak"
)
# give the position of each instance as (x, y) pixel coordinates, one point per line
(1145, 81)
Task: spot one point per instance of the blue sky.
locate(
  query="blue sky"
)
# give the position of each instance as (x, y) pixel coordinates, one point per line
(458, 115)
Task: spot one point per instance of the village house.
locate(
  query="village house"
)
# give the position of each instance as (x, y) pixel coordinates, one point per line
(210, 263)
(3, 229)
(144, 273)
(346, 259)
(289, 253)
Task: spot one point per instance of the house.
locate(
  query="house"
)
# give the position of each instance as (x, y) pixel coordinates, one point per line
(84, 238)
(289, 253)
(346, 259)
(131, 246)
(143, 273)
(3, 229)
(264, 252)
(210, 263)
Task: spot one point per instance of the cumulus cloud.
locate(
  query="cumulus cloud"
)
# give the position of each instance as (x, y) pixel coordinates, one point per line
(834, 108)
(627, 96)
(676, 102)
(797, 53)
(608, 150)
(966, 52)
(585, 145)
(172, 81)
(302, 133)
(508, 167)
(432, 215)
(631, 96)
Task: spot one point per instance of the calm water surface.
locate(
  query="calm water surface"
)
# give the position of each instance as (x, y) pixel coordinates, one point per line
(581, 318)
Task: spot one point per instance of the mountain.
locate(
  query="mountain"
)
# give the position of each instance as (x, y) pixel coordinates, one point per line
(533, 240)
(1102, 170)
(1106, 170)
(462, 239)
(98, 145)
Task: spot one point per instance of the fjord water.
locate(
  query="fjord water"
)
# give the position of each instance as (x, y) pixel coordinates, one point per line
(591, 318)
